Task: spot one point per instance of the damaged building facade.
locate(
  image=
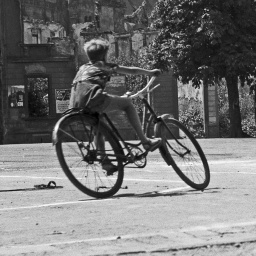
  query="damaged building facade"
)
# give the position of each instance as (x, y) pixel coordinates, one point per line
(42, 47)
(37, 68)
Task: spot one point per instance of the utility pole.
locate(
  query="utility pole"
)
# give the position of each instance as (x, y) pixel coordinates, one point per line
(255, 103)
(2, 65)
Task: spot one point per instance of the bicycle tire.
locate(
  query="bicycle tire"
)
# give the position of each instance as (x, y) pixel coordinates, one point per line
(182, 151)
(79, 159)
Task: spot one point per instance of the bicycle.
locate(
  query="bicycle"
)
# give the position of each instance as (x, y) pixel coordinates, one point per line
(80, 159)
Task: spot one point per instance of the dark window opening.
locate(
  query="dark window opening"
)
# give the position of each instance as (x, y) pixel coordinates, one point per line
(87, 18)
(36, 35)
(38, 91)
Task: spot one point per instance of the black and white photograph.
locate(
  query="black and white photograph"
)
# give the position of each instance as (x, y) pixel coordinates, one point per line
(127, 127)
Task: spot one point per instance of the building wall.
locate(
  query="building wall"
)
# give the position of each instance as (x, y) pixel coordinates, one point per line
(57, 59)
(81, 11)
(54, 60)
(46, 10)
(13, 27)
(19, 127)
(111, 16)
(134, 4)
(165, 98)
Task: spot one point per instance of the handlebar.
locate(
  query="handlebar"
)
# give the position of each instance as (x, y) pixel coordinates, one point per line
(142, 91)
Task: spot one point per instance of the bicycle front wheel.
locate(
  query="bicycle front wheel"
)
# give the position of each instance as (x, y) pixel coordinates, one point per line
(82, 161)
(181, 150)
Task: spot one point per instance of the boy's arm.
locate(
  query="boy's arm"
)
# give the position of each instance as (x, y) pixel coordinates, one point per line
(136, 71)
(126, 70)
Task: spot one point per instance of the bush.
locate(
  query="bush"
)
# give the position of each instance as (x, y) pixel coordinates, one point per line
(194, 121)
(224, 122)
(248, 126)
(191, 115)
(247, 111)
(246, 108)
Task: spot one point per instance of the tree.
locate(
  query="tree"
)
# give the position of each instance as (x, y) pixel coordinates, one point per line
(204, 41)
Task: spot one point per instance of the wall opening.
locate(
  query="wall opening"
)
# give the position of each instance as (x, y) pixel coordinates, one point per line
(38, 103)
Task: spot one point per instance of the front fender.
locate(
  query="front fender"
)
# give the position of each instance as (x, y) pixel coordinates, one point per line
(157, 128)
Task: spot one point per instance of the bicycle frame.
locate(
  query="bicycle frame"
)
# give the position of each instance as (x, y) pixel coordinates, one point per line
(128, 145)
(92, 170)
(130, 156)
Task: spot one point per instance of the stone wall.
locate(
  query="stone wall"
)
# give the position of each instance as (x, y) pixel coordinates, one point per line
(56, 60)
(19, 127)
(81, 11)
(46, 10)
(165, 98)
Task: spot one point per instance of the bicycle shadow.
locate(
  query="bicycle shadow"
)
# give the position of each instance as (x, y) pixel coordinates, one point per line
(167, 194)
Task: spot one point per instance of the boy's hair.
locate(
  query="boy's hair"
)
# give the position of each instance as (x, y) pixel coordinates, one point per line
(96, 49)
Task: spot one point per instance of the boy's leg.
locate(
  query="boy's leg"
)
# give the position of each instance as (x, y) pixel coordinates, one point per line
(99, 141)
(125, 104)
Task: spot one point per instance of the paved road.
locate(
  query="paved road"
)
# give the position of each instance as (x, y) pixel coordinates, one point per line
(155, 213)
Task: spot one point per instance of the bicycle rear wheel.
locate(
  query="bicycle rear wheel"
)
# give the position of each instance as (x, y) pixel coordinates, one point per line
(80, 159)
(181, 150)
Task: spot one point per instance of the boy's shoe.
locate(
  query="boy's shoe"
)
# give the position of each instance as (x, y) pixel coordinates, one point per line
(152, 144)
(109, 167)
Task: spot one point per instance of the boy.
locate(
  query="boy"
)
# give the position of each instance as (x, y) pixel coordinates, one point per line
(88, 92)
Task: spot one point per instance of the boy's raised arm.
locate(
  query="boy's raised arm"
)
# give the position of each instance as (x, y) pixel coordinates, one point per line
(137, 71)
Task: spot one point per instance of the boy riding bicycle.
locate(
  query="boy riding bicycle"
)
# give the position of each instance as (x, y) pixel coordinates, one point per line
(88, 92)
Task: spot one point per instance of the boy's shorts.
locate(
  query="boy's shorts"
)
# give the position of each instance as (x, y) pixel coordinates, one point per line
(105, 102)
(90, 96)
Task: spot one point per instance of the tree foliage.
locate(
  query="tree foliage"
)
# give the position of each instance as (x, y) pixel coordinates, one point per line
(205, 40)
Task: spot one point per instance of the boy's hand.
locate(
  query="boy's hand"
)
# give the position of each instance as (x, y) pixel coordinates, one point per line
(156, 72)
(127, 95)
(100, 64)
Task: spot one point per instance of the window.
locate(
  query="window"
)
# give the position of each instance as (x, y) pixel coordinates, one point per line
(16, 96)
(87, 18)
(36, 35)
(37, 93)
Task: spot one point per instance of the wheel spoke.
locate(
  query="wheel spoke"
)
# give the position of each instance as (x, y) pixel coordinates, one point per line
(81, 161)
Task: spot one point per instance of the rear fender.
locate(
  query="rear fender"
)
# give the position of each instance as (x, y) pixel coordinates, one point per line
(56, 129)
